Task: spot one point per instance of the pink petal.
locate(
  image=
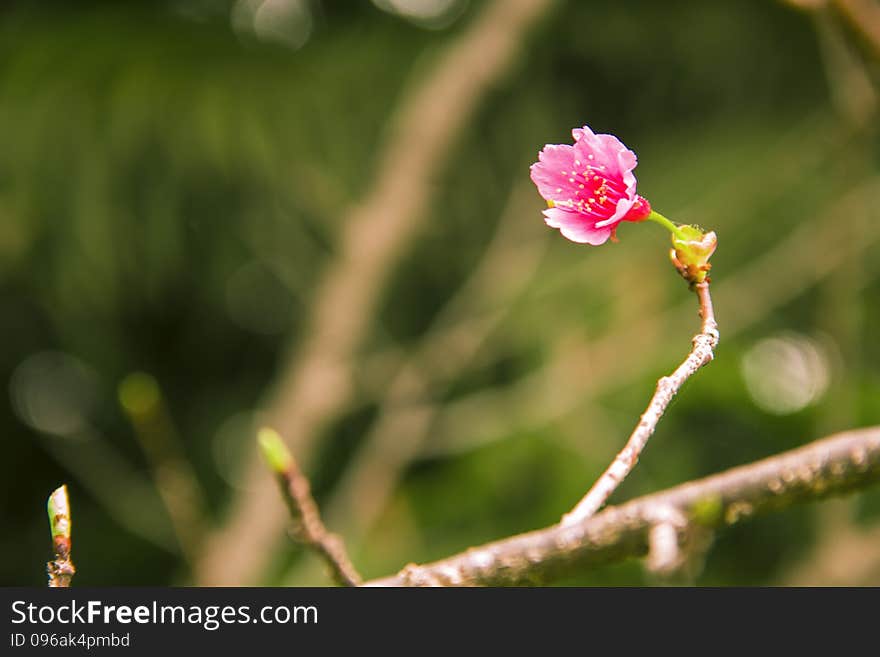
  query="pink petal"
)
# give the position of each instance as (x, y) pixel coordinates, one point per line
(608, 152)
(626, 162)
(576, 227)
(639, 211)
(623, 206)
(579, 133)
(553, 172)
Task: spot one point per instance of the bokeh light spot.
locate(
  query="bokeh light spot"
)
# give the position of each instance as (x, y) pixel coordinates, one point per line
(53, 392)
(139, 394)
(430, 14)
(283, 22)
(786, 373)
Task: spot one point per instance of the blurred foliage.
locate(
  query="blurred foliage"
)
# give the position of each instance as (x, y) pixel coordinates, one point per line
(171, 187)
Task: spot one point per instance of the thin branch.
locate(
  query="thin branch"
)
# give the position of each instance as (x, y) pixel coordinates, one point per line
(667, 387)
(61, 569)
(308, 528)
(838, 464)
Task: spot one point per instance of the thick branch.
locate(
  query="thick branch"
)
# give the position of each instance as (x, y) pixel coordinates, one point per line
(834, 465)
(667, 387)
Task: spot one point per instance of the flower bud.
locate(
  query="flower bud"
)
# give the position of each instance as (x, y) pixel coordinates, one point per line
(691, 252)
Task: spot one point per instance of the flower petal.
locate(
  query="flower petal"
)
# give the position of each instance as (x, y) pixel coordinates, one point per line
(626, 162)
(615, 160)
(576, 226)
(639, 211)
(579, 133)
(553, 172)
(623, 206)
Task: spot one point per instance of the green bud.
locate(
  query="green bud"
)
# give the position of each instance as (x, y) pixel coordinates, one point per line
(691, 250)
(58, 507)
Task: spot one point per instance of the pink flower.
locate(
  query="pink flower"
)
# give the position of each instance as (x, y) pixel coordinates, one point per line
(590, 186)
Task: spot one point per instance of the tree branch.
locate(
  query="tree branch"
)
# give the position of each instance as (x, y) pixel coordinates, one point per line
(834, 465)
(702, 353)
(308, 528)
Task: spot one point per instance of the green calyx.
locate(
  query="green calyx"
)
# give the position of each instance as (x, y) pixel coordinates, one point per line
(691, 248)
(691, 251)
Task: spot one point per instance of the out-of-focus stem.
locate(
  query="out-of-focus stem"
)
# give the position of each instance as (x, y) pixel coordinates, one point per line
(142, 400)
(317, 381)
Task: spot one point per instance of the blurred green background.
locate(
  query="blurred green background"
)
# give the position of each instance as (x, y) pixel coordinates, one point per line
(174, 177)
